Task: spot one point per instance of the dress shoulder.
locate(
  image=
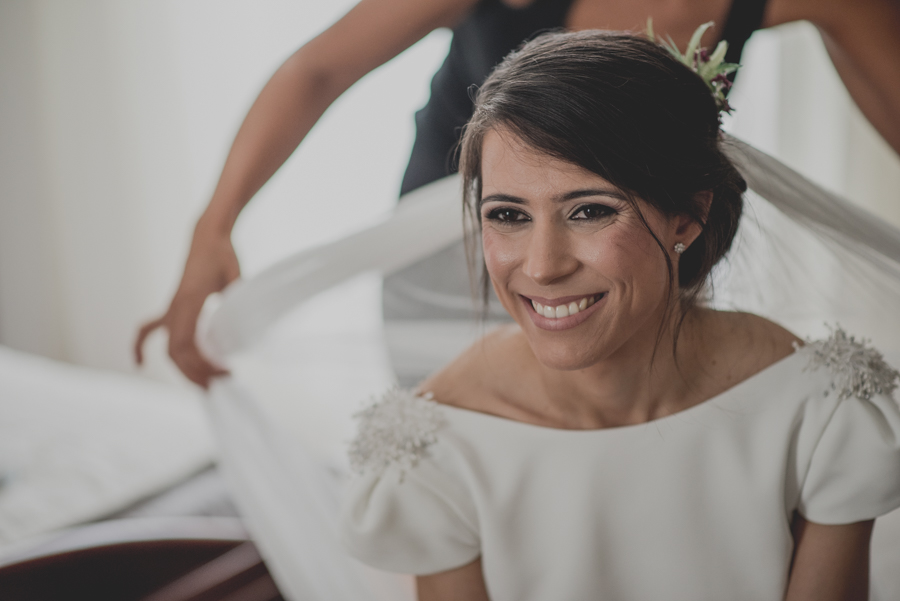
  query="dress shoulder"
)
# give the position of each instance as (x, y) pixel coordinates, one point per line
(398, 429)
(409, 508)
(856, 369)
(851, 436)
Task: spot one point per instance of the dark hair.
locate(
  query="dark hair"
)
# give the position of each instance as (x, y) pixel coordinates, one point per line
(623, 107)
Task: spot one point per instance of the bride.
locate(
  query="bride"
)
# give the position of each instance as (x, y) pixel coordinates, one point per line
(622, 440)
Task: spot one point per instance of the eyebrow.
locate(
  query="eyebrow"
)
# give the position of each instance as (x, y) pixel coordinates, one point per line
(573, 195)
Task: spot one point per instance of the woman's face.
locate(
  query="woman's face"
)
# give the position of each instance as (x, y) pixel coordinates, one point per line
(569, 257)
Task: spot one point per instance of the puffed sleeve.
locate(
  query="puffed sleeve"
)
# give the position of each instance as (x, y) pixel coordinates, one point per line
(854, 470)
(408, 509)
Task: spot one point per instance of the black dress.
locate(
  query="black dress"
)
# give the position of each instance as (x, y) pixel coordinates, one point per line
(479, 43)
(438, 288)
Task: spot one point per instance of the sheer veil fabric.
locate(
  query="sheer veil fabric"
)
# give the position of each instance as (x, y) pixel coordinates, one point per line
(808, 259)
(804, 258)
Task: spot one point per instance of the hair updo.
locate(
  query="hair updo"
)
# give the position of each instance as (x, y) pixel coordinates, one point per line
(620, 106)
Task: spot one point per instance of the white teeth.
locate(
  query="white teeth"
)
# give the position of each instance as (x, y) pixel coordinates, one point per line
(563, 310)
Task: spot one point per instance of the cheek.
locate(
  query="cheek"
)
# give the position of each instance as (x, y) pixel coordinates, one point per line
(630, 256)
(647, 266)
(501, 253)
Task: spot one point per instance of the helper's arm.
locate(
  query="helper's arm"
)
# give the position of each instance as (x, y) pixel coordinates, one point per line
(862, 39)
(372, 33)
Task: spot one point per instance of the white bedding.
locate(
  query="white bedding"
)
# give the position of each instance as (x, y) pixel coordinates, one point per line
(77, 444)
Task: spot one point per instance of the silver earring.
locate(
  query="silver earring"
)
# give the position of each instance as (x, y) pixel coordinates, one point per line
(680, 248)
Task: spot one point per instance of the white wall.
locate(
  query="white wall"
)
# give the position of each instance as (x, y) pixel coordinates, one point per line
(30, 311)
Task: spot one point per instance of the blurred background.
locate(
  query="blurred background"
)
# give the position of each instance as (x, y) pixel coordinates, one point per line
(115, 120)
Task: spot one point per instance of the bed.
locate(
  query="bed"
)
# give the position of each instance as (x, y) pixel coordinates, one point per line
(109, 490)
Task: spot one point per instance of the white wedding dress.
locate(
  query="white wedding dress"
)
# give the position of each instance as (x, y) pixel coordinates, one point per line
(716, 483)
(693, 506)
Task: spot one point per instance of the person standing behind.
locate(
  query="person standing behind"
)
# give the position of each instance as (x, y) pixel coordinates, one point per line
(860, 36)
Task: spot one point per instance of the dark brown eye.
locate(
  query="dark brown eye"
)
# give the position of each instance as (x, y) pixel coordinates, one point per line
(592, 212)
(506, 215)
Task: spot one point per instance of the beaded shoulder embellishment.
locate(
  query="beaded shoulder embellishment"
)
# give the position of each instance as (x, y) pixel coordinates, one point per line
(398, 429)
(856, 369)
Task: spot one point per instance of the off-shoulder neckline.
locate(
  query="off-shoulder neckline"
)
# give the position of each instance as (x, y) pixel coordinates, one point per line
(691, 411)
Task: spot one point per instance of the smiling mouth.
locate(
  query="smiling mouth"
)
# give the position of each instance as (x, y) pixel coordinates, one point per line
(565, 310)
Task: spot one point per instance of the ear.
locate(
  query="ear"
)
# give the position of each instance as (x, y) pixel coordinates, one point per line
(686, 227)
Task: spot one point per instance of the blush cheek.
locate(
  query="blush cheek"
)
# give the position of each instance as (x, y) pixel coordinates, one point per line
(633, 265)
(608, 255)
(645, 265)
(500, 254)
(500, 260)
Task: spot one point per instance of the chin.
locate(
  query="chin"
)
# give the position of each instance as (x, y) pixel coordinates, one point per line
(564, 358)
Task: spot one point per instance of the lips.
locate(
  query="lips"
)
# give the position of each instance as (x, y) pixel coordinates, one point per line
(561, 313)
(563, 309)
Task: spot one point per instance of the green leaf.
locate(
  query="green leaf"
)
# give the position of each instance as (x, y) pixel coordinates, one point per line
(726, 68)
(711, 68)
(670, 45)
(694, 44)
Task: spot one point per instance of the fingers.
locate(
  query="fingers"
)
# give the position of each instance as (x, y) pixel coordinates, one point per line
(210, 266)
(193, 365)
(184, 351)
(145, 331)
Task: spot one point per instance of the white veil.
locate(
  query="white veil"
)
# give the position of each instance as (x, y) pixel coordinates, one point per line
(803, 257)
(809, 259)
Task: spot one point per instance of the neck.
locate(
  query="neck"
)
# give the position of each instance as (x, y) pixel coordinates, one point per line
(641, 381)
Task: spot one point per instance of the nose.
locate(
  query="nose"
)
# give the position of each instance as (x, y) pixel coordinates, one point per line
(549, 256)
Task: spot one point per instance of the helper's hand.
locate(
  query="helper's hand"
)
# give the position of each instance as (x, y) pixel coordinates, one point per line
(211, 265)
(370, 34)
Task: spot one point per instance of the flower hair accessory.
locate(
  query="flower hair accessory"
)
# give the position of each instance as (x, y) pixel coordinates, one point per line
(711, 68)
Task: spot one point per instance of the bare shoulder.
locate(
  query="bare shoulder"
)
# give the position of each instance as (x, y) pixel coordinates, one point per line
(741, 345)
(770, 340)
(481, 377)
